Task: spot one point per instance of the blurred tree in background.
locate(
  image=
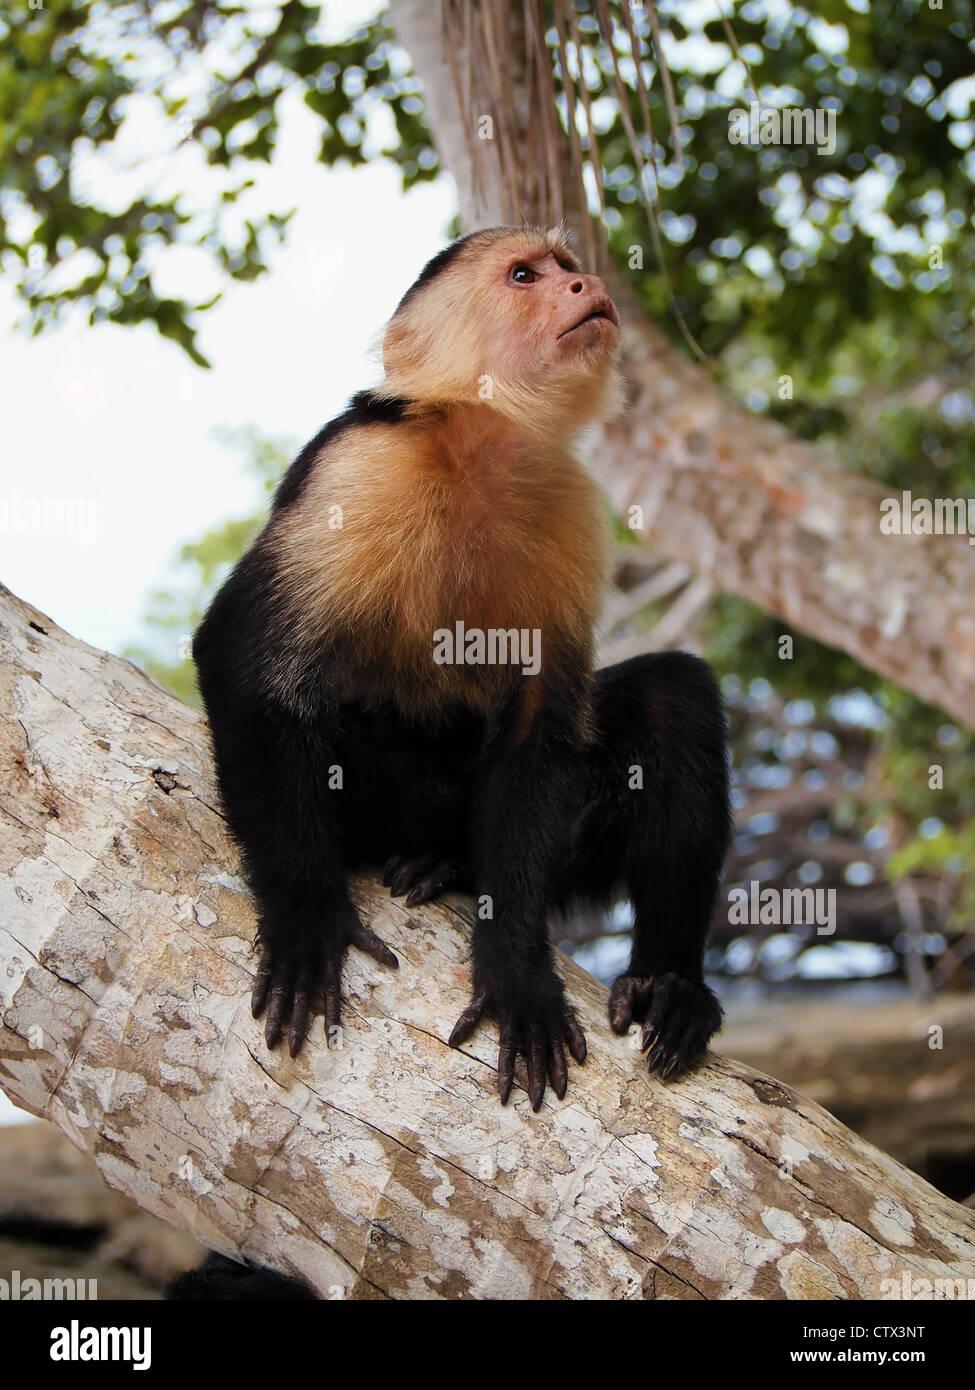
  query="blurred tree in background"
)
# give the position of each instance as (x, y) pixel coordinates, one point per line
(172, 613)
(851, 273)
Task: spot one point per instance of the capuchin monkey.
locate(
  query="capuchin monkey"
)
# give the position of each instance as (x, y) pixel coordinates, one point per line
(345, 734)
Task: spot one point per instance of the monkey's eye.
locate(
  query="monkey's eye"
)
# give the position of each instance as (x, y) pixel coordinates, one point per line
(522, 275)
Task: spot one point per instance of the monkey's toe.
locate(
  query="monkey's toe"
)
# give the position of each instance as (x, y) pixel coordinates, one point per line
(629, 1000)
(532, 1044)
(421, 878)
(682, 1018)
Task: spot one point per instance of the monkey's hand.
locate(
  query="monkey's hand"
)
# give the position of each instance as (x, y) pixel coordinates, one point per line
(536, 1023)
(298, 965)
(679, 1016)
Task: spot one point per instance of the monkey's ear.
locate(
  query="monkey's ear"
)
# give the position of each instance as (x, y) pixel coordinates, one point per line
(399, 346)
(419, 364)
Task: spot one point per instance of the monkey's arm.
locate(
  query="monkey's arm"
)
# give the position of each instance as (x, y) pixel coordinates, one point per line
(528, 792)
(274, 773)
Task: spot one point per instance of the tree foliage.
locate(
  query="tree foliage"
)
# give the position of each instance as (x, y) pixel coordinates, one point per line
(173, 612)
(210, 75)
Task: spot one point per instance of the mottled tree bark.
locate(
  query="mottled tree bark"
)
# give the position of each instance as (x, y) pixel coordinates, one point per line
(754, 510)
(385, 1168)
(901, 1073)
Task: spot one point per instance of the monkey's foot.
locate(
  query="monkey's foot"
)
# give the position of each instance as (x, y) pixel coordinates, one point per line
(298, 968)
(538, 1030)
(421, 877)
(679, 1017)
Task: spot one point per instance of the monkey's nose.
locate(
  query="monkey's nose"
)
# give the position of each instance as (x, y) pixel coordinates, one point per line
(592, 283)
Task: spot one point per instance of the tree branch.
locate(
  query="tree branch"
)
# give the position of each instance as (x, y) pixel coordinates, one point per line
(385, 1168)
(766, 516)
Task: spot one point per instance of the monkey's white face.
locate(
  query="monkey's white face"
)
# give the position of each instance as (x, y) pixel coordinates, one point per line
(513, 321)
(553, 342)
(567, 311)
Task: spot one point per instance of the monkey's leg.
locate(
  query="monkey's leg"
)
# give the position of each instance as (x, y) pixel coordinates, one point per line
(656, 830)
(275, 776)
(523, 809)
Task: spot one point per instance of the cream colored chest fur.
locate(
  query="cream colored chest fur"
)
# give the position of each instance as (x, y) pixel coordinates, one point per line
(388, 545)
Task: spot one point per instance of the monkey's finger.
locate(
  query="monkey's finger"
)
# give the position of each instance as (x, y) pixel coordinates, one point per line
(367, 940)
(262, 983)
(658, 1054)
(574, 1036)
(400, 881)
(395, 862)
(429, 885)
(659, 1024)
(408, 873)
(537, 1068)
(333, 998)
(631, 999)
(621, 1004)
(423, 891)
(557, 1069)
(507, 1053)
(688, 1052)
(432, 883)
(300, 1015)
(278, 1008)
(661, 1031)
(468, 1021)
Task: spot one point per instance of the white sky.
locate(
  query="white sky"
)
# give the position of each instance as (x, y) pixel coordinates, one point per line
(118, 418)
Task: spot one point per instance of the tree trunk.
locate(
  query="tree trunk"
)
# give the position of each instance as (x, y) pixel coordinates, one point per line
(768, 517)
(902, 1073)
(385, 1168)
(756, 511)
(55, 1209)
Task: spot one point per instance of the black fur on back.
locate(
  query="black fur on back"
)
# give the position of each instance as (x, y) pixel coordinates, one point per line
(365, 408)
(435, 266)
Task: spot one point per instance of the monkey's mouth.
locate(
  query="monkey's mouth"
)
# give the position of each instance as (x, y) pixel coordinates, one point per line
(605, 310)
